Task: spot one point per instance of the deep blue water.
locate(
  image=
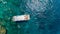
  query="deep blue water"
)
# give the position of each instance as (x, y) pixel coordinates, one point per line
(45, 16)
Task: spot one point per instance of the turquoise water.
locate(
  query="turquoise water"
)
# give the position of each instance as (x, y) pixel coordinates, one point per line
(45, 16)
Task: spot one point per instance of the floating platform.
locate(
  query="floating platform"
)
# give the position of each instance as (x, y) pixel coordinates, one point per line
(21, 18)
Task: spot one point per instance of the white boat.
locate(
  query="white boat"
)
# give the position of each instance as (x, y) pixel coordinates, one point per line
(21, 18)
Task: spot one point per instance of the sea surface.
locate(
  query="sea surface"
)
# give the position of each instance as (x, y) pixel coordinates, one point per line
(44, 16)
